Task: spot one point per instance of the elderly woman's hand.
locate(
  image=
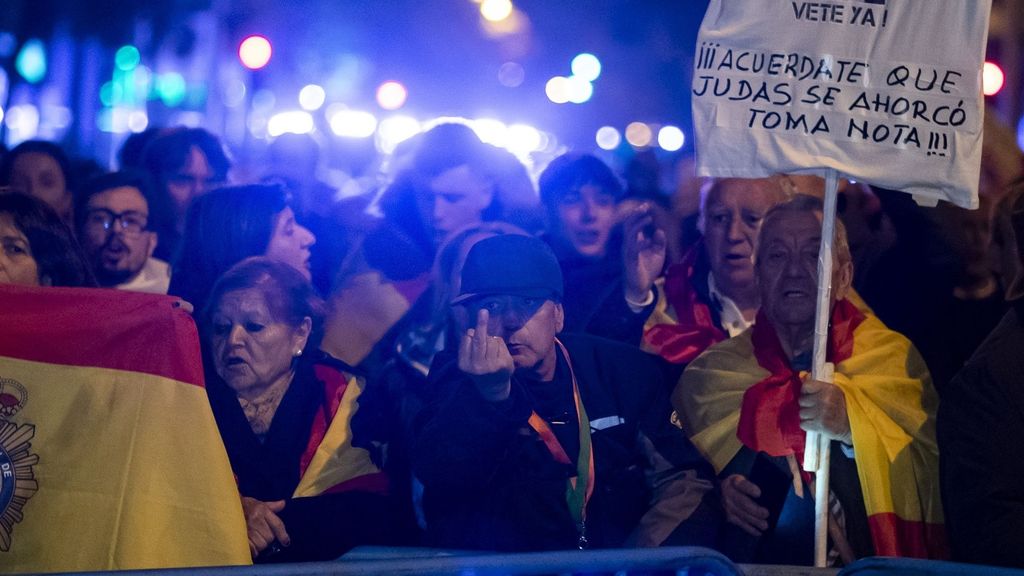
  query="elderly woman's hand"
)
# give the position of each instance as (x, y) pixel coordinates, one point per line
(263, 524)
(823, 409)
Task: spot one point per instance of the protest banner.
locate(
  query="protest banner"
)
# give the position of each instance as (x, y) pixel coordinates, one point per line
(109, 454)
(884, 91)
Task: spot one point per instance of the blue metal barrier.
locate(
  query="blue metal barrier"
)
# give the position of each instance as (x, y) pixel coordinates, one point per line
(913, 567)
(688, 561)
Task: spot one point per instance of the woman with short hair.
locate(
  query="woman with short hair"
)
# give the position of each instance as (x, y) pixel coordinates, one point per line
(284, 409)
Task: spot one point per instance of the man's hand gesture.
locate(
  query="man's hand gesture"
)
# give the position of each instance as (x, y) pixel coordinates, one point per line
(643, 252)
(486, 360)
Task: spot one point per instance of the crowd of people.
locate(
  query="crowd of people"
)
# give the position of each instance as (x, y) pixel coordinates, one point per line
(464, 360)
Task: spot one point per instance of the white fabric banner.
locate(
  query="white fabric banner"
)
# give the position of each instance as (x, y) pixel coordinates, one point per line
(884, 91)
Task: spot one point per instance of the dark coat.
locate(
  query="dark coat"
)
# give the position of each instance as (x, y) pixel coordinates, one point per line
(321, 527)
(981, 444)
(491, 483)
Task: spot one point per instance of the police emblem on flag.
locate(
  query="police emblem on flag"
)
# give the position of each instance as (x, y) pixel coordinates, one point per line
(17, 478)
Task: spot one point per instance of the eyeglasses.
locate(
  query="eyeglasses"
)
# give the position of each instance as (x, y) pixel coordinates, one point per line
(129, 222)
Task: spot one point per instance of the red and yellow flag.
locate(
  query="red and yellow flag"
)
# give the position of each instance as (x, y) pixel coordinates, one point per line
(891, 406)
(109, 454)
(364, 310)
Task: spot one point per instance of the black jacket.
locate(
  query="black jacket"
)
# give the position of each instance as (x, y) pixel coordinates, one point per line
(491, 483)
(321, 527)
(980, 427)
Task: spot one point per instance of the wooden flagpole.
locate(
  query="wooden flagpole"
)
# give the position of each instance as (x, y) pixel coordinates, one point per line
(816, 451)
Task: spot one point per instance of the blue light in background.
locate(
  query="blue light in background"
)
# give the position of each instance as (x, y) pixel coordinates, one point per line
(31, 61)
(127, 58)
(171, 89)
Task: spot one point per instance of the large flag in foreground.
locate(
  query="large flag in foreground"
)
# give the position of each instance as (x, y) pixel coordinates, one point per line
(109, 454)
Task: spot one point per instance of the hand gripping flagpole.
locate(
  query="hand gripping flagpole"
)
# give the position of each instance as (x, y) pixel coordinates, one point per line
(816, 451)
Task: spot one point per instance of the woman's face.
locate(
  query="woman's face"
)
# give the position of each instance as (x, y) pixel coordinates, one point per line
(39, 175)
(193, 178)
(251, 349)
(290, 243)
(17, 266)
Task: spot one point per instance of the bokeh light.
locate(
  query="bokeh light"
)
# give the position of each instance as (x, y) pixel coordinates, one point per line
(255, 52)
(137, 120)
(586, 66)
(127, 58)
(523, 139)
(608, 138)
(312, 97)
(511, 74)
(110, 94)
(491, 131)
(171, 89)
(992, 79)
(639, 134)
(22, 122)
(58, 117)
(290, 122)
(496, 10)
(353, 124)
(31, 61)
(580, 90)
(391, 95)
(114, 120)
(394, 130)
(671, 138)
(557, 89)
(142, 79)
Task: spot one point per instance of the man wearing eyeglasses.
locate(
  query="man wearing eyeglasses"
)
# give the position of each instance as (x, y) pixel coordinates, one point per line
(112, 216)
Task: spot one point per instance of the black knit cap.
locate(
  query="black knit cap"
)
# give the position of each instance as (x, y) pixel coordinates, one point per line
(511, 264)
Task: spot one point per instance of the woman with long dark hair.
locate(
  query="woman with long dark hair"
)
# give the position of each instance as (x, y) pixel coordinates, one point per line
(229, 225)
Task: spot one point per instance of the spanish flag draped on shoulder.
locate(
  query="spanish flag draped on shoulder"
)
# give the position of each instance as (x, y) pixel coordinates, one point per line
(744, 392)
(109, 454)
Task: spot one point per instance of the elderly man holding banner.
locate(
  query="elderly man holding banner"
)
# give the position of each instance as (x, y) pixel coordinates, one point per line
(869, 91)
(749, 401)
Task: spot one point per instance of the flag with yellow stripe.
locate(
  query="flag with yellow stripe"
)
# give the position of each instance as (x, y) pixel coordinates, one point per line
(891, 406)
(109, 454)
